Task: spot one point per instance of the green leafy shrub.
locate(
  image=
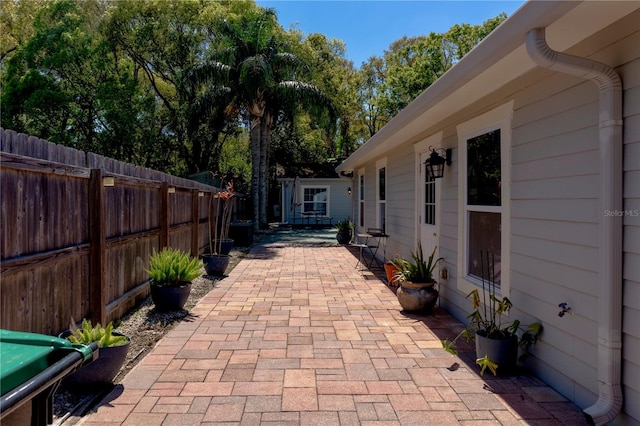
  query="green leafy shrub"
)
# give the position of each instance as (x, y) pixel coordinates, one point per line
(101, 335)
(173, 267)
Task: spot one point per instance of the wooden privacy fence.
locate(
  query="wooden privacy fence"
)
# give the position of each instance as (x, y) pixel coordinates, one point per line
(78, 230)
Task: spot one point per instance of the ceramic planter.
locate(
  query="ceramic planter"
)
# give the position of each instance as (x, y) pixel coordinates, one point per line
(99, 373)
(216, 264)
(503, 352)
(224, 245)
(170, 298)
(343, 237)
(417, 297)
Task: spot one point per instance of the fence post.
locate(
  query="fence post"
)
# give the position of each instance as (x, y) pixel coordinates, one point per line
(97, 256)
(195, 217)
(164, 215)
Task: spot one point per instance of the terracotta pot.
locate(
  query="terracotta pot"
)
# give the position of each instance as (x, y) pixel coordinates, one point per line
(391, 270)
(170, 298)
(417, 297)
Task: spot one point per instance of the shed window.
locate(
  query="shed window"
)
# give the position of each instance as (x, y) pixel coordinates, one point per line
(316, 201)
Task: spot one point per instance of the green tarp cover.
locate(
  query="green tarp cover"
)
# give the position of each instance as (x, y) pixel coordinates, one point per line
(23, 355)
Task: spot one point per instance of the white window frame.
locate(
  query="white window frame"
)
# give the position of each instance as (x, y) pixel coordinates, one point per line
(498, 118)
(325, 187)
(381, 164)
(362, 190)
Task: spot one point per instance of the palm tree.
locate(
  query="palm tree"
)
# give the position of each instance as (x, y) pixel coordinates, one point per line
(264, 82)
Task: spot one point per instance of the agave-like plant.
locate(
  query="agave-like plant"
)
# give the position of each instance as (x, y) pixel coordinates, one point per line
(416, 269)
(173, 267)
(101, 335)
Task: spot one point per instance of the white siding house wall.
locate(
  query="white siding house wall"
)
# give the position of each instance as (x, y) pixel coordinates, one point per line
(554, 213)
(629, 70)
(555, 217)
(400, 199)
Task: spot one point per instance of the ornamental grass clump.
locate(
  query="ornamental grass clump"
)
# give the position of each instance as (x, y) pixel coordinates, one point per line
(171, 267)
(103, 336)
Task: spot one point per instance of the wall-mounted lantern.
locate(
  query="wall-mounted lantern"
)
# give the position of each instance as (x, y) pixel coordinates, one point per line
(349, 190)
(108, 181)
(435, 163)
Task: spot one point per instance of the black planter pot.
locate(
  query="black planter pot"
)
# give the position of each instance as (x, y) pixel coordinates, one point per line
(99, 373)
(241, 233)
(170, 298)
(503, 352)
(343, 237)
(417, 297)
(215, 264)
(225, 246)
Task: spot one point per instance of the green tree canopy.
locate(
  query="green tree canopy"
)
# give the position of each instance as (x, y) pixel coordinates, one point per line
(195, 85)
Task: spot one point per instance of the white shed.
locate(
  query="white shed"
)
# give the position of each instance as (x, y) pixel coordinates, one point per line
(312, 198)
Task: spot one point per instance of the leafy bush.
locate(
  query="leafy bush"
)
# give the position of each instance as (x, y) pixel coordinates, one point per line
(173, 267)
(344, 225)
(101, 335)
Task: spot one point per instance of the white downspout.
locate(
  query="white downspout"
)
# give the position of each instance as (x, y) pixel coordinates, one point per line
(610, 397)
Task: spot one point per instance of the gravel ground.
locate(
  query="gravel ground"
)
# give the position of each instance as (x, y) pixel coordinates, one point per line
(145, 326)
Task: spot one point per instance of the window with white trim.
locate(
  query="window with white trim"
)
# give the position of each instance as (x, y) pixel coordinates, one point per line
(381, 194)
(315, 200)
(361, 198)
(484, 204)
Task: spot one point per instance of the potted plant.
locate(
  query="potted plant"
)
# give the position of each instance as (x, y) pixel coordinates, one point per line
(417, 287)
(112, 353)
(171, 272)
(345, 231)
(497, 339)
(220, 211)
(391, 271)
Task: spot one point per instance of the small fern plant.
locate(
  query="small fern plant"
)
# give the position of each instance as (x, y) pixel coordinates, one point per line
(171, 267)
(103, 336)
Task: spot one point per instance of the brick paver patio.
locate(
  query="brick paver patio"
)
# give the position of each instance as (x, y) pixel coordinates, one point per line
(298, 336)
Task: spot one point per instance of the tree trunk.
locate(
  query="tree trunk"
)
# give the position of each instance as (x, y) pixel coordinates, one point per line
(257, 111)
(255, 170)
(264, 168)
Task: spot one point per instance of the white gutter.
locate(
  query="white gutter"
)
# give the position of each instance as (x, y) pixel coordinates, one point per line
(610, 396)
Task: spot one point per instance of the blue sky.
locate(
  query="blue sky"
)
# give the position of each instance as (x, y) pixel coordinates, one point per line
(368, 27)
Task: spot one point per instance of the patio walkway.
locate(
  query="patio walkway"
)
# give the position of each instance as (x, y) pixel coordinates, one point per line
(298, 336)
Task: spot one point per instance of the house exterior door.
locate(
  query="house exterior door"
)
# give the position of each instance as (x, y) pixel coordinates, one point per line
(428, 198)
